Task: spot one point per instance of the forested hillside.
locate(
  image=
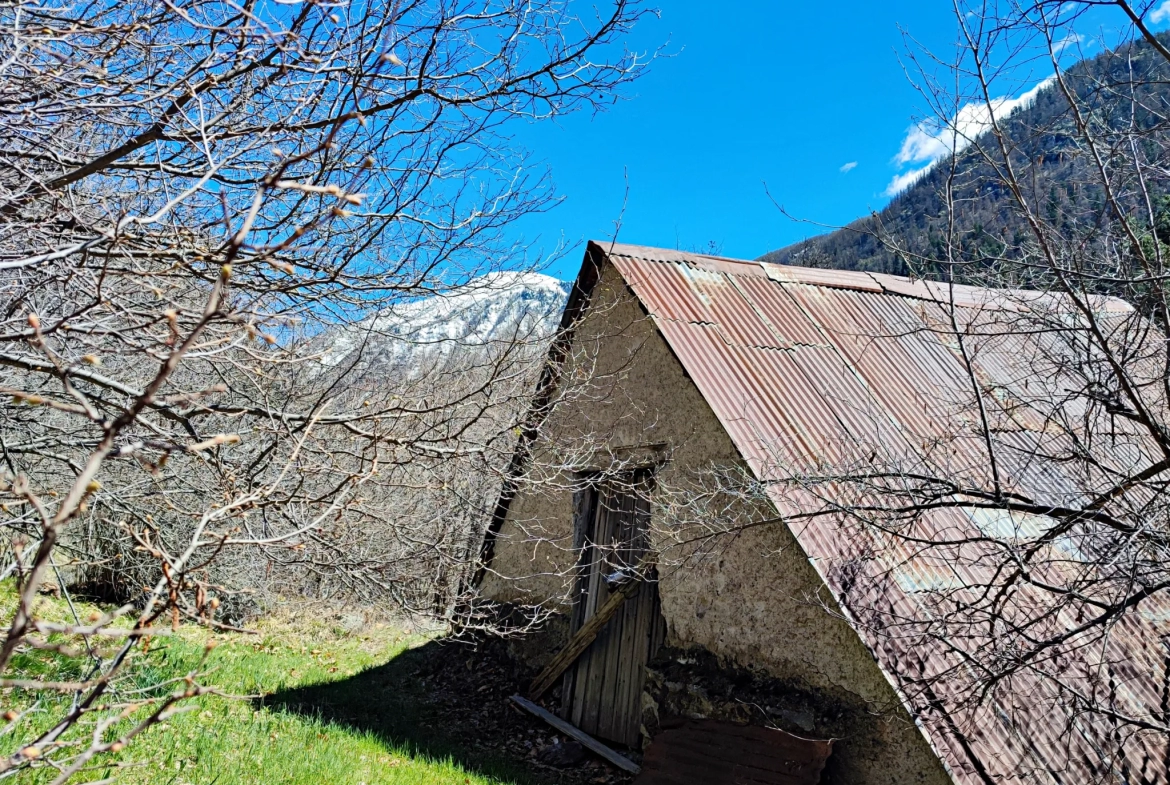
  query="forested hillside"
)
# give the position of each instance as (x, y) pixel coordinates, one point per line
(1127, 87)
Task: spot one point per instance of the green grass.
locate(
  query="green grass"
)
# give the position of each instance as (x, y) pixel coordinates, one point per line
(296, 664)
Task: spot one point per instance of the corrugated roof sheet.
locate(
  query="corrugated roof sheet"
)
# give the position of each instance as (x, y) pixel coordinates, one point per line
(808, 369)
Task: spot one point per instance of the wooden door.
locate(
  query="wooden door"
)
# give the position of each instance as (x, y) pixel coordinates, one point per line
(603, 690)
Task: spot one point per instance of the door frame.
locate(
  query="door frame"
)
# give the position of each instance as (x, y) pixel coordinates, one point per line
(601, 692)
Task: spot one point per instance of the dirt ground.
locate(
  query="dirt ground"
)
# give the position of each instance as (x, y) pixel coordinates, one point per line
(470, 685)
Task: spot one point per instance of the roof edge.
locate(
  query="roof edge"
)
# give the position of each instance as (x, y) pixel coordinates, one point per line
(575, 307)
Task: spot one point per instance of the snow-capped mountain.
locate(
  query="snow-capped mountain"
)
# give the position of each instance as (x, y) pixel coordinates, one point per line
(495, 309)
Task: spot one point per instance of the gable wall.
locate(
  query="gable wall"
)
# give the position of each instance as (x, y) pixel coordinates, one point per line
(754, 601)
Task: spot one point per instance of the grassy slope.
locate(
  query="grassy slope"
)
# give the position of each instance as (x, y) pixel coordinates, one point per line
(223, 740)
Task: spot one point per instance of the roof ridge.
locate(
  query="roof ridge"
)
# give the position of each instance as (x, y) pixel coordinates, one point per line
(913, 287)
(654, 253)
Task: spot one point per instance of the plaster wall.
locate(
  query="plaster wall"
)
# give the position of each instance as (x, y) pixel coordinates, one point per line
(753, 600)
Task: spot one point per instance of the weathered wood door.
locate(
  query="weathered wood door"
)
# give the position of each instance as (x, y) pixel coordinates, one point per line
(603, 690)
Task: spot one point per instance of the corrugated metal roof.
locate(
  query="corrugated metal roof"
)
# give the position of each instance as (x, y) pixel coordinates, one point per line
(809, 370)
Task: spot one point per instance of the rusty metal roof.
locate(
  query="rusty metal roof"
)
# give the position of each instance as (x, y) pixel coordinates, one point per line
(808, 369)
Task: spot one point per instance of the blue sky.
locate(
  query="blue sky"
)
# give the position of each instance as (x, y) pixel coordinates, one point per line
(779, 93)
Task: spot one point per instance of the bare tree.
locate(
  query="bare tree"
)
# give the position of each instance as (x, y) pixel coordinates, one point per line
(193, 195)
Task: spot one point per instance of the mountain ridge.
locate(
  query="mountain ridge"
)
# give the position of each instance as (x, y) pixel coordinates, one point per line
(988, 225)
(495, 308)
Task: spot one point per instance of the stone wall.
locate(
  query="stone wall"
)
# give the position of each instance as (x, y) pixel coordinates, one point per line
(749, 604)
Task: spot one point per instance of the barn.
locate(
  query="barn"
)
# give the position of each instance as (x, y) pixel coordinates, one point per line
(668, 457)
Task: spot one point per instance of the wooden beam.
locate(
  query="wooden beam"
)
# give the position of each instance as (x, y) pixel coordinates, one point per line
(587, 741)
(580, 641)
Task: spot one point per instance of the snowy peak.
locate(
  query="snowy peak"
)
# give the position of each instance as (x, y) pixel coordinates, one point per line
(483, 310)
(495, 308)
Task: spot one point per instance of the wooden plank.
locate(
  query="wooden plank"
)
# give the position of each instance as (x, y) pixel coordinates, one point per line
(581, 682)
(595, 711)
(628, 668)
(627, 657)
(592, 670)
(637, 657)
(583, 537)
(587, 666)
(600, 722)
(587, 741)
(603, 722)
(625, 711)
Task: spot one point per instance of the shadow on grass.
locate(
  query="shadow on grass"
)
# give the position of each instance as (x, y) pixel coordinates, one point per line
(440, 700)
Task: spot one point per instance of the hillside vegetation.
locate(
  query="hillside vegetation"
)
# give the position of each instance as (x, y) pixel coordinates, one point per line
(1128, 85)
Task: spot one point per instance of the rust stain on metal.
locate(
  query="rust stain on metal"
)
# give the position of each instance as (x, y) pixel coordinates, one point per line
(720, 753)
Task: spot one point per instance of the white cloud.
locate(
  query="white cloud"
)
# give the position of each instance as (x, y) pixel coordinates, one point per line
(1161, 13)
(923, 142)
(1072, 39)
(903, 181)
(849, 167)
(931, 140)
